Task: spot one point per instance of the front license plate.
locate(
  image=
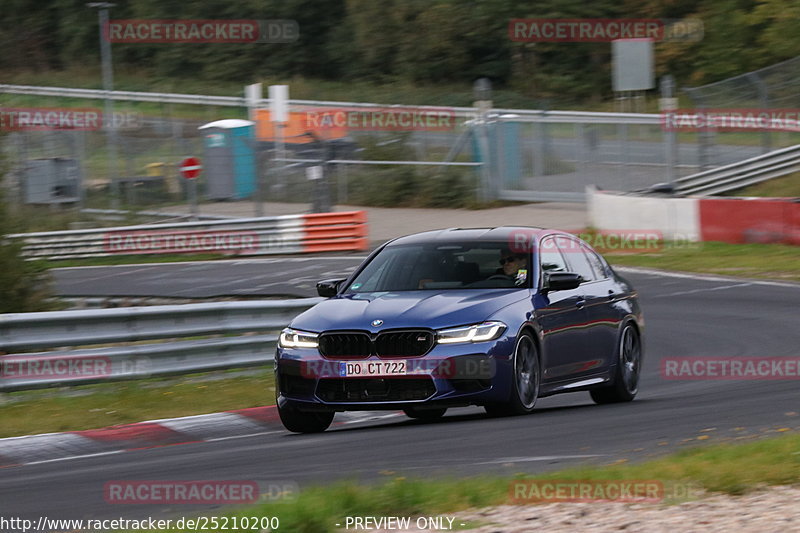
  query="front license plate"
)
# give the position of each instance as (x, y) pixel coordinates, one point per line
(356, 369)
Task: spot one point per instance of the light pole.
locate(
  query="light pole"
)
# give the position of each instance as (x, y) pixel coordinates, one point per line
(108, 86)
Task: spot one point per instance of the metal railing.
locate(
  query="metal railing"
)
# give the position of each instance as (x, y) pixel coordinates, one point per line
(96, 94)
(532, 115)
(528, 154)
(772, 87)
(741, 174)
(246, 333)
(242, 236)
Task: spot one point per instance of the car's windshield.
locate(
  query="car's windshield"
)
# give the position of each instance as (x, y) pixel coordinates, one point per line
(441, 266)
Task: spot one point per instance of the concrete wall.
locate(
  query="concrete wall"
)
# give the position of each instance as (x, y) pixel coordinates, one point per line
(732, 220)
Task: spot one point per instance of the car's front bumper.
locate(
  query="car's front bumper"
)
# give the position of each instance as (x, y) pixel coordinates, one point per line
(449, 375)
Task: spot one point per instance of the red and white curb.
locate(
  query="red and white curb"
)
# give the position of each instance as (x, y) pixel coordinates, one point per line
(694, 219)
(32, 449)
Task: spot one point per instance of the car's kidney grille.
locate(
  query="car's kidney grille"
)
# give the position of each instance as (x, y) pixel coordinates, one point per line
(345, 345)
(354, 344)
(404, 343)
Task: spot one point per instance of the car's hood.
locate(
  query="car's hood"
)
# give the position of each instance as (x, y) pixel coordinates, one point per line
(407, 309)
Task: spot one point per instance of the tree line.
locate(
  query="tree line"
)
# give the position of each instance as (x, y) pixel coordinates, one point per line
(414, 41)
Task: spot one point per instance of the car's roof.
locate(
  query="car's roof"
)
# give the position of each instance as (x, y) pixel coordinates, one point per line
(498, 234)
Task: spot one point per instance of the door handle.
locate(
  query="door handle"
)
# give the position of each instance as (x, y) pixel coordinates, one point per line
(611, 295)
(580, 304)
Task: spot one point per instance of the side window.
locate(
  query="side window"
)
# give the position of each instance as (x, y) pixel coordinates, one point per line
(597, 264)
(550, 257)
(578, 261)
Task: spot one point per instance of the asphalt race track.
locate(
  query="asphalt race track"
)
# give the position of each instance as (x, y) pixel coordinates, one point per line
(685, 315)
(278, 276)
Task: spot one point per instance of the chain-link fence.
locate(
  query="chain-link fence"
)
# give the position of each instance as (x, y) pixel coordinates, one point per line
(773, 87)
(465, 158)
(143, 173)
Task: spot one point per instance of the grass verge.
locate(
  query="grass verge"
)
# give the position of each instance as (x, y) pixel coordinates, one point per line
(125, 402)
(770, 261)
(112, 260)
(725, 468)
(786, 186)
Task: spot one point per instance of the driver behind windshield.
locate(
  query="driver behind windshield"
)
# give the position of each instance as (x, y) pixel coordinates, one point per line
(514, 266)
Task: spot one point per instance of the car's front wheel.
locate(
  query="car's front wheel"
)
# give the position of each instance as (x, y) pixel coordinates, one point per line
(525, 381)
(626, 376)
(304, 422)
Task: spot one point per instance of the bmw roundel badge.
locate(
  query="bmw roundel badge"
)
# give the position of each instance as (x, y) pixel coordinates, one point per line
(376, 323)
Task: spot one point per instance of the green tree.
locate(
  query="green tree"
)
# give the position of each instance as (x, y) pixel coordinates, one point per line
(778, 38)
(24, 285)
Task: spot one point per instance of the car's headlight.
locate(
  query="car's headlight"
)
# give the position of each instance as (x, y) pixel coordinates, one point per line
(292, 338)
(475, 333)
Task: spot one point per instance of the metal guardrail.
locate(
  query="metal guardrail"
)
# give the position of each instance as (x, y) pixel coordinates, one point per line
(742, 173)
(243, 236)
(96, 94)
(249, 330)
(525, 115)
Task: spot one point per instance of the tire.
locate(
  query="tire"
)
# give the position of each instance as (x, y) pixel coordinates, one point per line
(298, 421)
(628, 369)
(525, 381)
(425, 414)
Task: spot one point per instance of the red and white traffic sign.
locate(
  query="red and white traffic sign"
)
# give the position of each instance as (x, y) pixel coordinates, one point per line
(190, 168)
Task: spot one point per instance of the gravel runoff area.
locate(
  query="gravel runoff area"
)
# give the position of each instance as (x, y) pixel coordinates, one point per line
(770, 510)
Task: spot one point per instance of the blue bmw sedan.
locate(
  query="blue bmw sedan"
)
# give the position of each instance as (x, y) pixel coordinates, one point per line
(494, 317)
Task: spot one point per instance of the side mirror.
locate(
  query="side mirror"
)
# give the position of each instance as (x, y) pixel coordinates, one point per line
(562, 281)
(328, 288)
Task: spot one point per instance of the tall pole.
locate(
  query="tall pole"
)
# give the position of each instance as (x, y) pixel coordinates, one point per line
(108, 86)
(669, 103)
(482, 93)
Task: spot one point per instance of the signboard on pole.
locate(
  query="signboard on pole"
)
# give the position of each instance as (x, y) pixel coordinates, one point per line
(632, 65)
(190, 168)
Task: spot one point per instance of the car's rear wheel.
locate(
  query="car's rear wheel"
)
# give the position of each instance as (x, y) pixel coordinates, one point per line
(626, 375)
(425, 414)
(304, 422)
(525, 382)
